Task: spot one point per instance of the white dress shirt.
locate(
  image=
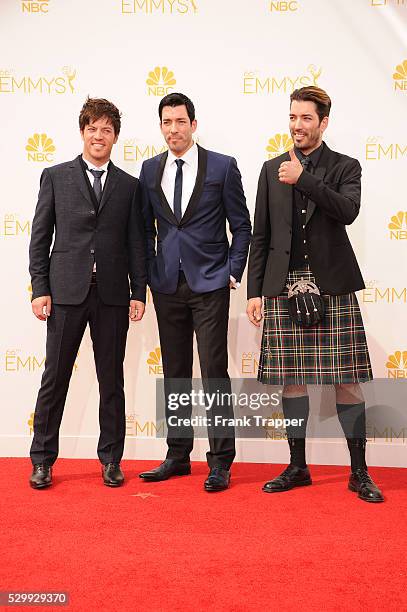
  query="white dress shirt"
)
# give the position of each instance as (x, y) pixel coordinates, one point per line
(189, 172)
(91, 166)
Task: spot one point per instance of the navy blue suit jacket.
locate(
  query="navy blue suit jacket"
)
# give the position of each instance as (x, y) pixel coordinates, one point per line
(200, 238)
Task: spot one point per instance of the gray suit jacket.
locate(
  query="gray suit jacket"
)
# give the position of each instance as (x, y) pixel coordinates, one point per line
(113, 236)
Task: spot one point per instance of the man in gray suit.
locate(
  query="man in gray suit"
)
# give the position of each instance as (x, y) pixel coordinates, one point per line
(92, 210)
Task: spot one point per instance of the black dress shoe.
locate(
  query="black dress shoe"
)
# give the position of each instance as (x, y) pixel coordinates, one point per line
(169, 467)
(292, 476)
(361, 483)
(41, 476)
(218, 479)
(112, 475)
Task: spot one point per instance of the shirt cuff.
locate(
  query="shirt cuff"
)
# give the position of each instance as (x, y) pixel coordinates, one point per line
(234, 282)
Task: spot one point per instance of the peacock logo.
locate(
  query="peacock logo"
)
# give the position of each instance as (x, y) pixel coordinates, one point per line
(397, 365)
(40, 148)
(400, 76)
(160, 81)
(154, 362)
(278, 144)
(398, 226)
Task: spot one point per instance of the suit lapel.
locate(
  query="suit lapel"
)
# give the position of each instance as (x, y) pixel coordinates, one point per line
(167, 210)
(285, 196)
(80, 179)
(110, 184)
(320, 172)
(199, 183)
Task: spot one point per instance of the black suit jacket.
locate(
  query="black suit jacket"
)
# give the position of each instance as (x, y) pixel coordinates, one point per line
(333, 194)
(113, 237)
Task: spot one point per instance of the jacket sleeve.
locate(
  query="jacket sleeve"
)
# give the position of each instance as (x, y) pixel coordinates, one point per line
(343, 204)
(238, 218)
(137, 249)
(260, 245)
(148, 216)
(41, 237)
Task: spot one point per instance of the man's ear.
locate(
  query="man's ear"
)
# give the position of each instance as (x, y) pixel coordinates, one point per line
(324, 123)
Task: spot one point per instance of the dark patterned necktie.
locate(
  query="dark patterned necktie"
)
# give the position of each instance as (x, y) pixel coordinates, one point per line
(306, 163)
(178, 190)
(97, 183)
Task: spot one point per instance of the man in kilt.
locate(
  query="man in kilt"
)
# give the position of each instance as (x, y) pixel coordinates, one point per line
(305, 199)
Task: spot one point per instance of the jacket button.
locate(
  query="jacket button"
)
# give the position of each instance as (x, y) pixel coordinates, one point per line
(92, 251)
(287, 252)
(92, 212)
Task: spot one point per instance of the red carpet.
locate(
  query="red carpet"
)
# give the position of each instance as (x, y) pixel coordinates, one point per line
(180, 548)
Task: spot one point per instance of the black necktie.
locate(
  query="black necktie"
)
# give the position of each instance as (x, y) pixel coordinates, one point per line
(97, 183)
(306, 163)
(178, 190)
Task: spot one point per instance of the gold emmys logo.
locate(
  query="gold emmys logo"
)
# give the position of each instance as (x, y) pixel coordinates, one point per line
(400, 76)
(10, 84)
(136, 428)
(397, 365)
(284, 7)
(165, 7)
(14, 362)
(373, 294)
(31, 6)
(134, 151)
(40, 148)
(13, 226)
(397, 230)
(375, 151)
(249, 363)
(280, 143)
(30, 423)
(154, 362)
(253, 84)
(160, 81)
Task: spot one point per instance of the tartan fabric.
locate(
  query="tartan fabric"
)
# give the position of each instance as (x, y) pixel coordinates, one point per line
(333, 352)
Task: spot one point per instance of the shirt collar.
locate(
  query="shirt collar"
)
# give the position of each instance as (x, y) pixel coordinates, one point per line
(91, 166)
(314, 157)
(189, 157)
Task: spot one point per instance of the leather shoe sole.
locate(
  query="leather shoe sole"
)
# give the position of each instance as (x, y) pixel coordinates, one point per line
(112, 484)
(293, 485)
(42, 485)
(215, 488)
(370, 500)
(181, 470)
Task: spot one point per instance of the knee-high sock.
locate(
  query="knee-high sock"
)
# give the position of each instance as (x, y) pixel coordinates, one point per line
(297, 408)
(352, 418)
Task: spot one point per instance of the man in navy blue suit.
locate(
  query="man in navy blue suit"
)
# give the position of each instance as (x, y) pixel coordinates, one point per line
(188, 195)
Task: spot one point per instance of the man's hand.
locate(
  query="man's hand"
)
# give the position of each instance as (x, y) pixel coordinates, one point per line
(289, 172)
(136, 310)
(41, 307)
(253, 310)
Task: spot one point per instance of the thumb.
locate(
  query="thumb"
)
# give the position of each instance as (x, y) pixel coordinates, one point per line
(293, 156)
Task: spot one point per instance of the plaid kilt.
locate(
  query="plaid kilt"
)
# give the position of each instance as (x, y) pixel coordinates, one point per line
(332, 352)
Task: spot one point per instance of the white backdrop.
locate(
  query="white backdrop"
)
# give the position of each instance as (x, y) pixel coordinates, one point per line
(238, 60)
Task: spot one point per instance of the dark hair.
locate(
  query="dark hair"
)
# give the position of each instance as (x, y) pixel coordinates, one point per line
(313, 94)
(96, 108)
(177, 99)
